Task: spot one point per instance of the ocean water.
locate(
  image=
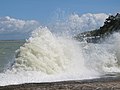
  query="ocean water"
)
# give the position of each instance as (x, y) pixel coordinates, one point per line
(7, 52)
(45, 57)
(52, 54)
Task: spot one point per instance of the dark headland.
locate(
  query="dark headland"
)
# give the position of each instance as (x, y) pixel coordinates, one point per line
(111, 25)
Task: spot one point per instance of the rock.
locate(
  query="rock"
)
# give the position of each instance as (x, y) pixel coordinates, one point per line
(112, 24)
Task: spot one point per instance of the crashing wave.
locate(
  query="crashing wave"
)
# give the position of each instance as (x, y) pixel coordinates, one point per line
(47, 53)
(48, 57)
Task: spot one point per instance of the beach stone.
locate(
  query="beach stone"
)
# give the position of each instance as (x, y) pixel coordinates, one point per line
(93, 84)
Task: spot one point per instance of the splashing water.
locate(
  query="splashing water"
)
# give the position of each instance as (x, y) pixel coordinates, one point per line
(48, 57)
(47, 53)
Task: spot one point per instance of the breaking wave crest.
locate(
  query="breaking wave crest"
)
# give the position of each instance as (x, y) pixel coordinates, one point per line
(48, 57)
(48, 53)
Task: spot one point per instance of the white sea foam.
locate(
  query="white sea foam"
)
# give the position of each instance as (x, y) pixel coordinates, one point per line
(48, 53)
(46, 57)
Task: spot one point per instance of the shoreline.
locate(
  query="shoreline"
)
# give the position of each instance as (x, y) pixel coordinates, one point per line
(107, 83)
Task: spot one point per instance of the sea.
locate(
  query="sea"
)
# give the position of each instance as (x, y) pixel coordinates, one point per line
(7, 52)
(47, 56)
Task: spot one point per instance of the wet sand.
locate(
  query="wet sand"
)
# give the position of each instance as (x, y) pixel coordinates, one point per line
(109, 83)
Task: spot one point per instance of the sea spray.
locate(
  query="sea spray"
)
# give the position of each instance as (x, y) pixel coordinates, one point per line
(114, 39)
(47, 57)
(50, 54)
(47, 53)
(98, 57)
